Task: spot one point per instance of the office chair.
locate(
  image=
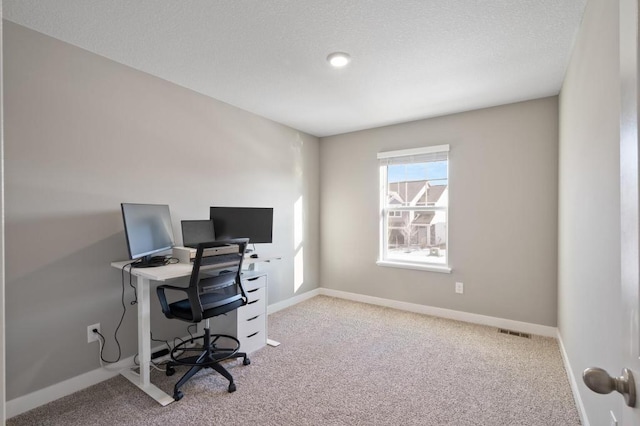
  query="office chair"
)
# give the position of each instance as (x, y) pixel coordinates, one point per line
(215, 288)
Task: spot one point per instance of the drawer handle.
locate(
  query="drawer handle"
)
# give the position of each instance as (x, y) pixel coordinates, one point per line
(253, 301)
(251, 319)
(252, 279)
(253, 291)
(251, 335)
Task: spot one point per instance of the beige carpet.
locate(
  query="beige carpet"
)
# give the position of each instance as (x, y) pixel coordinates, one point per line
(346, 363)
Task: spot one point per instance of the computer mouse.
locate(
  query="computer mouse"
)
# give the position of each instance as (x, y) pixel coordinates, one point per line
(254, 256)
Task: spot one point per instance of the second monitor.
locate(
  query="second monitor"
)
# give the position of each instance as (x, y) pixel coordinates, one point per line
(255, 223)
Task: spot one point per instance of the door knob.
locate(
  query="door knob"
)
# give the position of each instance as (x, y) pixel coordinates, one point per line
(599, 381)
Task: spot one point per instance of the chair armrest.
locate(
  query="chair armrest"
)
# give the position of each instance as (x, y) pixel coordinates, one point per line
(173, 287)
(163, 299)
(242, 292)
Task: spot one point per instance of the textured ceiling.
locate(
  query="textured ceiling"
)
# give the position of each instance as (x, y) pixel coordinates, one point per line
(412, 59)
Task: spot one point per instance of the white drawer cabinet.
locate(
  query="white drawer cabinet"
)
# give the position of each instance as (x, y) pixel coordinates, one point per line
(247, 323)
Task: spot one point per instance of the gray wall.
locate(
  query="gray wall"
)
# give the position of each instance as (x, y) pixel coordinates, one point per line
(82, 135)
(2, 321)
(502, 214)
(589, 214)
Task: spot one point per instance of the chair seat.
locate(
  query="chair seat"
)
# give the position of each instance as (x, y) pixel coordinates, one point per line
(212, 305)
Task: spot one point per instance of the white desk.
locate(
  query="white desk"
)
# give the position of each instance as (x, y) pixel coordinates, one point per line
(144, 276)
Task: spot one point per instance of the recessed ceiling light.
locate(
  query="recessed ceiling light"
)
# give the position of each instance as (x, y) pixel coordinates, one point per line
(339, 59)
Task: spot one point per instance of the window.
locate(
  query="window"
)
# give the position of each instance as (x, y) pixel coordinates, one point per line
(414, 200)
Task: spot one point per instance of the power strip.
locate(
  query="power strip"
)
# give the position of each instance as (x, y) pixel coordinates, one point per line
(160, 353)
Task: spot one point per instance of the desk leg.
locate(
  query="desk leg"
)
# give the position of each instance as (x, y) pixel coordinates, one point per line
(271, 342)
(142, 379)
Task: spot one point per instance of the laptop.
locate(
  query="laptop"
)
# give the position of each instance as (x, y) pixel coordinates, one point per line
(195, 232)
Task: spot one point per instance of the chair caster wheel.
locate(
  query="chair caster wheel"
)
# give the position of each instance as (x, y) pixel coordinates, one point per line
(177, 396)
(232, 387)
(246, 361)
(170, 371)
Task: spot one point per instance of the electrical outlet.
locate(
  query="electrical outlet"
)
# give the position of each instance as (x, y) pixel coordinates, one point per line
(459, 288)
(91, 336)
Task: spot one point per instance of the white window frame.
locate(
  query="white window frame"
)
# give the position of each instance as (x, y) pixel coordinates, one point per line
(383, 259)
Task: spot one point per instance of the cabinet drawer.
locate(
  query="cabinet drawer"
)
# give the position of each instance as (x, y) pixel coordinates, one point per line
(251, 325)
(256, 341)
(255, 282)
(256, 294)
(255, 306)
(250, 311)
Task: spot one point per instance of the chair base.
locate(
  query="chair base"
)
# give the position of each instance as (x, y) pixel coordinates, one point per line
(210, 356)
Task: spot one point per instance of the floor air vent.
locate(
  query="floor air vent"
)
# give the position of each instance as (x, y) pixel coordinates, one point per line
(515, 333)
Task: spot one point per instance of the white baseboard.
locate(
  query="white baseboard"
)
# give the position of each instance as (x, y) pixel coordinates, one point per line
(540, 330)
(292, 301)
(584, 420)
(43, 396)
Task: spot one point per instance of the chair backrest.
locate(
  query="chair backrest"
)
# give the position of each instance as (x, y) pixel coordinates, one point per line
(215, 286)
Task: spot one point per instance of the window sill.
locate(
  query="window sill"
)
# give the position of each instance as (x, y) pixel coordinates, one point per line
(417, 266)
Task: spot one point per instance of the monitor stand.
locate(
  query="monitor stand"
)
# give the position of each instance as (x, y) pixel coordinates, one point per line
(150, 262)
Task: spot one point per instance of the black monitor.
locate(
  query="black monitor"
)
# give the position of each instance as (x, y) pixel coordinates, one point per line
(195, 232)
(148, 231)
(255, 223)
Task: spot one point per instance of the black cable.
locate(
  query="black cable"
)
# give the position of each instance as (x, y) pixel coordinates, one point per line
(166, 342)
(135, 290)
(104, 343)
(174, 341)
(124, 311)
(189, 331)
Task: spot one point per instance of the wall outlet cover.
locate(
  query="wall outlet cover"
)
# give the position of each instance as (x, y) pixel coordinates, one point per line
(91, 336)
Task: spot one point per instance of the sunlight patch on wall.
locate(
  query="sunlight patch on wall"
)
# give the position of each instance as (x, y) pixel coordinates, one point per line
(297, 224)
(298, 270)
(298, 227)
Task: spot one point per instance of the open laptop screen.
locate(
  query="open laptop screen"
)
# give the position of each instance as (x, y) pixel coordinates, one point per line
(197, 231)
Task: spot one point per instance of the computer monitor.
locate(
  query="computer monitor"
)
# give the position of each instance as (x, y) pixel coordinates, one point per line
(148, 231)
(255, 223)
(195, 232)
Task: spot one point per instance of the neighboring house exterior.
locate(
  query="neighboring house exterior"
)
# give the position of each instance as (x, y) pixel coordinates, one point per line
(414, 230)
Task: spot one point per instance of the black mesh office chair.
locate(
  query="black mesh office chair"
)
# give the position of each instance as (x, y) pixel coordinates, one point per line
(214, 289)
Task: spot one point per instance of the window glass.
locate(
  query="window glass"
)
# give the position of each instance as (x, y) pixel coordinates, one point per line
(414, 207)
